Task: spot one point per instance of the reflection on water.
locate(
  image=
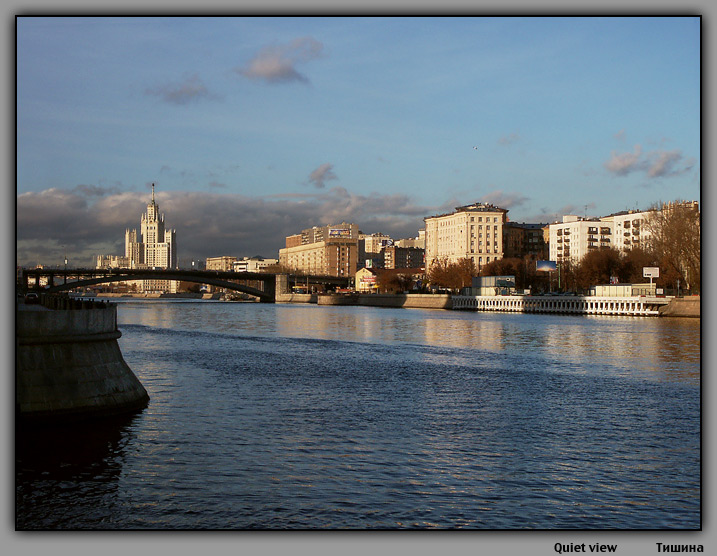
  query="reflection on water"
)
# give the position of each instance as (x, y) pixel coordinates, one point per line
(289, 416)
(75, 466)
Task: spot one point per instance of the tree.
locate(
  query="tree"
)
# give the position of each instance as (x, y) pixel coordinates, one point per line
(452, 275)
(598, 267)
(390, 282)
(633, 261)
(675, 240)
(522, 269)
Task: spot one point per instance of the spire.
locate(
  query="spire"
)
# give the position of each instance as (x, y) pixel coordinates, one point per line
(152, 193)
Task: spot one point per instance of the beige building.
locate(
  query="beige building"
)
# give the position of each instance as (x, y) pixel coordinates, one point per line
(324, 251)
(154, 248)
(222, 264)
(471, 232)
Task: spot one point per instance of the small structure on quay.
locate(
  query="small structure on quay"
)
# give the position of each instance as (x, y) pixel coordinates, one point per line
(68, 364)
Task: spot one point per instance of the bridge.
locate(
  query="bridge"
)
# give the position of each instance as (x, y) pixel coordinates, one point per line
(257, 284)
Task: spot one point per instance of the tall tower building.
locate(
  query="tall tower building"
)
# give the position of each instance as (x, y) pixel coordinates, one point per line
(154, 247)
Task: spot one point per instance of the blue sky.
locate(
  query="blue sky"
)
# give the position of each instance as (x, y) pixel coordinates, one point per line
(254, 128)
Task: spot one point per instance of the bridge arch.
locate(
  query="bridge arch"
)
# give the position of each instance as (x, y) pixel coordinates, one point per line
(264, 296)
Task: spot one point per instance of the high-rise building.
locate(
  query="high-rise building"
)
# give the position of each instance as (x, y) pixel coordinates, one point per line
(155, 247)
(470, 232)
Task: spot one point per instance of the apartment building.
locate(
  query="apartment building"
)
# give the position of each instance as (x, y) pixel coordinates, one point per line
(523, 239)
(222, 264)
(253, 264)
(575, 237)
(403, 257)
(629, 229)
(418, 241)
(324, 251)
(470, 232)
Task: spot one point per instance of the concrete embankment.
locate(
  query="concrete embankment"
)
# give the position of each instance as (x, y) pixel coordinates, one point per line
(405, 301)
(183, 295)
(682, 307)
(69, 365)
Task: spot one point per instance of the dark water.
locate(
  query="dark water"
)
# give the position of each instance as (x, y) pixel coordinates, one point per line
(306, 417)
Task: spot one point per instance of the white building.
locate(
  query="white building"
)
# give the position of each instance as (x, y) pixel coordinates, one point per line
(471, 232)
(629, 230)
(574, 237)
(253, 264)
(419, 241)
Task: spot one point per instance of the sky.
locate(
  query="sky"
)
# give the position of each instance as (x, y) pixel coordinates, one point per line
(254, 128)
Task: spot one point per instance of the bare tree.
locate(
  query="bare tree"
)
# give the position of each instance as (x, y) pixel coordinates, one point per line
(452, 275)
(676, 241)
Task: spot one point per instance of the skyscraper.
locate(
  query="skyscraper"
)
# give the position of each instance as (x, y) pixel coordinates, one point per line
(155, 247)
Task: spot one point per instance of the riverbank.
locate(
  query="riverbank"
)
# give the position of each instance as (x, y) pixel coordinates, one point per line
(184, 295)
(404, 301)
(686, 307)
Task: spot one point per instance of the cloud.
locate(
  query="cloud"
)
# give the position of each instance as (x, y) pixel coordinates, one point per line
(509, 139)
(655, 164)
(620, 135)
(276, 64)
(208, 223)
(504, 200)
(667, 163)
(622, 164)
(321, 175)
(190, 89)
(547, 216)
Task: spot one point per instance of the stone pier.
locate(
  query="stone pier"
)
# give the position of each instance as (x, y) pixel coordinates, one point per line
(69, 365)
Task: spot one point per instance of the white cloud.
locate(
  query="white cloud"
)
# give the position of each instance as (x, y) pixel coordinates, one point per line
(622, 164)
(276, 63)
(655, 164)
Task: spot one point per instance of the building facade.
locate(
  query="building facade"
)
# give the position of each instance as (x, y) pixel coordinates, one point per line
(253, 264)
(403, 257)
(575, 237)
(222, 264)
(470, 232)
(324, 251)
(523, 240)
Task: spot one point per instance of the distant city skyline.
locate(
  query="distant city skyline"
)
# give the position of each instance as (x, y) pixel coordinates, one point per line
(254, 128)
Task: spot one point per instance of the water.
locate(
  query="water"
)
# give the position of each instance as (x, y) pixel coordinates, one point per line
(305, 417)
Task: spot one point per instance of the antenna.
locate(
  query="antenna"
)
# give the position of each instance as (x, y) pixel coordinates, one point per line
(152, 193)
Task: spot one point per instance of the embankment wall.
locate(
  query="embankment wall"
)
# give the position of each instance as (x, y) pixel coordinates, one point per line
(69, 366)
(405, 301)
(683, 307)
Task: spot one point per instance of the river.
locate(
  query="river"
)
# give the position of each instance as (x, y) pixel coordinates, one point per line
(278, 416)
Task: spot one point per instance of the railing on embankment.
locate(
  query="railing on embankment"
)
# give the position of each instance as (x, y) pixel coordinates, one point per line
(69, 365)
(579, 305)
